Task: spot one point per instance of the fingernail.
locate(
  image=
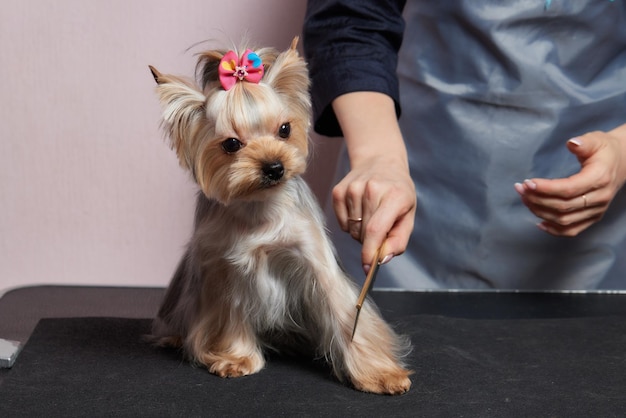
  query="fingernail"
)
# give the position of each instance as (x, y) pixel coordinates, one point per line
(366, 268)
(542, 227)
(519, 188)
(387, 259)
(576, 141)
(530, 184)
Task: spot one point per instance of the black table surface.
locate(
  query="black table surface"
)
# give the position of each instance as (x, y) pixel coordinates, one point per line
(22, 308)
(465, 354)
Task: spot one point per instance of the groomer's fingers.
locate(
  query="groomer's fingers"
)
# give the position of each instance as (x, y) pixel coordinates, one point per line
(394, 243)
(354, 206)
(598, 154)
(569, 230)
(569, 205)
(390, 224)
(343, 204)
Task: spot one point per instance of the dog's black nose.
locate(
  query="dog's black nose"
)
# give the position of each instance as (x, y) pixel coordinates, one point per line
(273, 171)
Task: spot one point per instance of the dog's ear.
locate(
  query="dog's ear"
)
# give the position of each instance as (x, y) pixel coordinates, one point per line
(155, 73)
(289, 77)
(183, 111)
(207, 67)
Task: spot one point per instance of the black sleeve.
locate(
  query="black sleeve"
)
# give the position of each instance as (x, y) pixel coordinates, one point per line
(351, 45)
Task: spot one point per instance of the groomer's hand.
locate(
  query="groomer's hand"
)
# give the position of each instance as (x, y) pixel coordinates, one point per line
(570, 205)
(375, 203)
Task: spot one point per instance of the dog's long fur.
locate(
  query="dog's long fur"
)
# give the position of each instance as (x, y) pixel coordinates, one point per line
(260, 272)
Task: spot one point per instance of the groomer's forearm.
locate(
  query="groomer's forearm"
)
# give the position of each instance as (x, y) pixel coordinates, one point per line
(370, 128)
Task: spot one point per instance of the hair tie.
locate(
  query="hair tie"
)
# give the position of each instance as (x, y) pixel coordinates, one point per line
(232, 68)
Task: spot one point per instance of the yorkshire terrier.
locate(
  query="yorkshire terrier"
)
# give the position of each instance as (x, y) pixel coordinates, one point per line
(260, 271)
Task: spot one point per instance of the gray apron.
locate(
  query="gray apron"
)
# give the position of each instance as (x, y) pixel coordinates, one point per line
(491, 91)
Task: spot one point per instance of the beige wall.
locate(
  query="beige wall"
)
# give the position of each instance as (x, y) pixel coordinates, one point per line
(89, 191)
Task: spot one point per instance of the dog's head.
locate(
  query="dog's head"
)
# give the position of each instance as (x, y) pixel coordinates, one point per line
(245, 130)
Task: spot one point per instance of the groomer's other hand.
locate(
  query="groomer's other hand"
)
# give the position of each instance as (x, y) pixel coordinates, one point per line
(376, 200)
(570, 205)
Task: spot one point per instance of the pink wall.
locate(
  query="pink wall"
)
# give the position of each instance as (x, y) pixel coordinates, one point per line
(89, 191)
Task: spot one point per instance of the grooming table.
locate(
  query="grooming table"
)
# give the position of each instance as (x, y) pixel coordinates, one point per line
(474, 354)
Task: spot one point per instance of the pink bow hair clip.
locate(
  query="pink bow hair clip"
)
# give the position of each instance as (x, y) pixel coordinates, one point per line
(233, 68)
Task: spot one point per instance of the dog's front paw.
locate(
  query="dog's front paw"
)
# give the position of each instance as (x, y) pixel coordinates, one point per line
(391, 382)
(231, 366)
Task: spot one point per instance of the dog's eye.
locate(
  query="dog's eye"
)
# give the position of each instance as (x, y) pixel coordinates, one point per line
(285, 130)
(231, 145)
